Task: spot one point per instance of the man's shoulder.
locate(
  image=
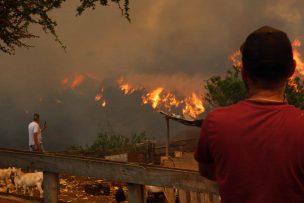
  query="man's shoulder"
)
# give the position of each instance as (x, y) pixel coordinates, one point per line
(231, 109)
(295, 111)
(33, 124)
(247, 107)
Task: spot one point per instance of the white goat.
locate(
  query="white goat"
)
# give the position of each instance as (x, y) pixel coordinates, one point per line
(5, 174)
(27, 180)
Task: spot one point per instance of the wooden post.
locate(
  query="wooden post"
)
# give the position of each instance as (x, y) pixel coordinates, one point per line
(198, 197)
(188, 197)
(51, 187)
(168, 136)
(135, 193)
(150, 152)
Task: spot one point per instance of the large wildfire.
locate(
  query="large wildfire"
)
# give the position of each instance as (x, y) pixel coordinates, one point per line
(188, 105)
(161, 99)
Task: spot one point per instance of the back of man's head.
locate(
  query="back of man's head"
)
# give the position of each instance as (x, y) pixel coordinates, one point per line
(36, 117)
(267, 56)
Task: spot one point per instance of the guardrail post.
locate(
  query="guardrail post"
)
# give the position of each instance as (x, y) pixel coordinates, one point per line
(188, 197)
(51, 187)
(135, 193)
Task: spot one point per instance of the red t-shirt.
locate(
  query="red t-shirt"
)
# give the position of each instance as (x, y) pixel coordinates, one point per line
(258, 152)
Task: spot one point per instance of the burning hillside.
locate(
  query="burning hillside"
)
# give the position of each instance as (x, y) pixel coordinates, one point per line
(178, 94)
(175, 97)
(159, 98)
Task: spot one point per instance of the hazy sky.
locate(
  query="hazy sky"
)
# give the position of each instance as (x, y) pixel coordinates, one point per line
(169, 43)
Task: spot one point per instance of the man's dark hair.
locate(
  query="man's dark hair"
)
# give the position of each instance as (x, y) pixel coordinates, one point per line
(267, 56)
(36, 117)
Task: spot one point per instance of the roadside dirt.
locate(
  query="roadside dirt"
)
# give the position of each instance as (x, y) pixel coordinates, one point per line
(72, 189)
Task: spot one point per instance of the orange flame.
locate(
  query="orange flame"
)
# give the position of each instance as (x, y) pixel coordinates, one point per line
(65, 81)
(125, 87)
(294, 85)
(103, 104)
(78, 79)
(99, 98)
(191, 106)
(169, 100)
(235, 59)
(153, 97)
(296, 44)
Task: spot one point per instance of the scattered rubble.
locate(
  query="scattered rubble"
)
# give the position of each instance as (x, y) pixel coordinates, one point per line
(76, 189)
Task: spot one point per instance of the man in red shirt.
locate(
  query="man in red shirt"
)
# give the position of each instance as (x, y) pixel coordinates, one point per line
(255, 149)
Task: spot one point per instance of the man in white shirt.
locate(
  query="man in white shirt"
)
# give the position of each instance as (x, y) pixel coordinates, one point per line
(35, 134)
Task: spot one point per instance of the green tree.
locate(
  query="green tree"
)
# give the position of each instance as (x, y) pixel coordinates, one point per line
(225, 91)
(16, 17)
(109, 142)
(230, 89)
(295, 92)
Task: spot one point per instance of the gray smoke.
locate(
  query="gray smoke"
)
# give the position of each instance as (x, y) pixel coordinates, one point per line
(167, 41)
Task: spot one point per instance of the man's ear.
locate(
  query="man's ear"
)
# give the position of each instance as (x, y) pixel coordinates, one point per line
(293, 68)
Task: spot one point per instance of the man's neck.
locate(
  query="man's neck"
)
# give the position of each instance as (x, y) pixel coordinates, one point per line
(267, 95)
